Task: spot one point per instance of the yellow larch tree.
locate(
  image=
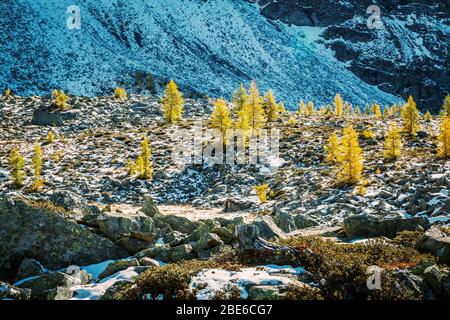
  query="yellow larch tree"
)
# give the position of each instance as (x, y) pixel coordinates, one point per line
(392, 143)
(239, 98)
(338, 105)
(302, 108)
(332, 149)
(411, 117)
(444, 138)
(311, 109)
(220, 118)
(446, 106)
(386, 112)
(254, 109)
(243, 125)
(376, 110)
(172, 103)
(145, 165)
(427, 116)
(271, 107)
(38, 182)
(350, 157)
(16, 164)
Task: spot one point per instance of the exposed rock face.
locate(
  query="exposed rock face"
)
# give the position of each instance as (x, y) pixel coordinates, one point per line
(46, 236)
(409, 55)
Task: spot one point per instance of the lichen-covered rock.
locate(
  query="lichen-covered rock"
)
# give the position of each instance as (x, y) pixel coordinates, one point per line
(437, 242)
(43, 287)
(176, 254)
(66, 199)
(178, 223)
(208, 241)
(30, 268)
(118, 266)
(118, 225)
(43, 116)
(31, 231)
(433, 276)
(267, 228)
(175, 238)
(368, 226)
(9, 292)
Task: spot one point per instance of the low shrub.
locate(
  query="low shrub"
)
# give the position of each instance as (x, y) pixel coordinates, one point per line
(170, 281)
(341, 269)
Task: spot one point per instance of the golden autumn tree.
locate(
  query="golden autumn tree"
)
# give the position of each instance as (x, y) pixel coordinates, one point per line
(59, 100)
(338, 105)
(262, 190)
(332, 149)
(243, 125)
(240, 98)
(376, 110)
(7, 93)
(254, 109)
(394, 110)
(411, 117)
(16, 164)
(302, 108)
(220, 118)
(121, 94)
(386, 112)
(427, 116)
(146, 167)
(392, 143)
(446, 107)
(311, 109)
(38, 182)
(444, 138)
(172, 103)
(350, 158)
(348, 110)
(271, 107)
(282, 107)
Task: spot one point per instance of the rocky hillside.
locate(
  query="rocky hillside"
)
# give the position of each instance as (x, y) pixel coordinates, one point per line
(410, 55)
(200, 231)
(209, 47)
(301, 49)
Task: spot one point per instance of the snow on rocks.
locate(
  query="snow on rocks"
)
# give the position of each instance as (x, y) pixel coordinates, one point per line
(211, 282)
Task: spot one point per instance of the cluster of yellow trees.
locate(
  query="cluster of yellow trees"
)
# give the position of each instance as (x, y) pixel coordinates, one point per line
(142, 167)
(347, 154)
(59, 99)
(250, 110)
(17, 164)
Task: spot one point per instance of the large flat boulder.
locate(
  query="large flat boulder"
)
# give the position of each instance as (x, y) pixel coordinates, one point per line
(31, 231)
(44, 116)
(437, 242)
(368, 226)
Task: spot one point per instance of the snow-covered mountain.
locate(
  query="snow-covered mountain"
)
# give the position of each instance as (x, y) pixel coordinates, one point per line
(207, 46)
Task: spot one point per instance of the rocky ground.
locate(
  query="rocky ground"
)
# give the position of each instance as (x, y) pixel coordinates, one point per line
(199, 231)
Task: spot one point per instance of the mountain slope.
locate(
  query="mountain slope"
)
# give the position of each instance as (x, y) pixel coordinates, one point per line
(207, 46)
(409, 55)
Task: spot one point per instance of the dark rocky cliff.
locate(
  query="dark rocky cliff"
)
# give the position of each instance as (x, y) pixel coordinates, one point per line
(410, 54)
